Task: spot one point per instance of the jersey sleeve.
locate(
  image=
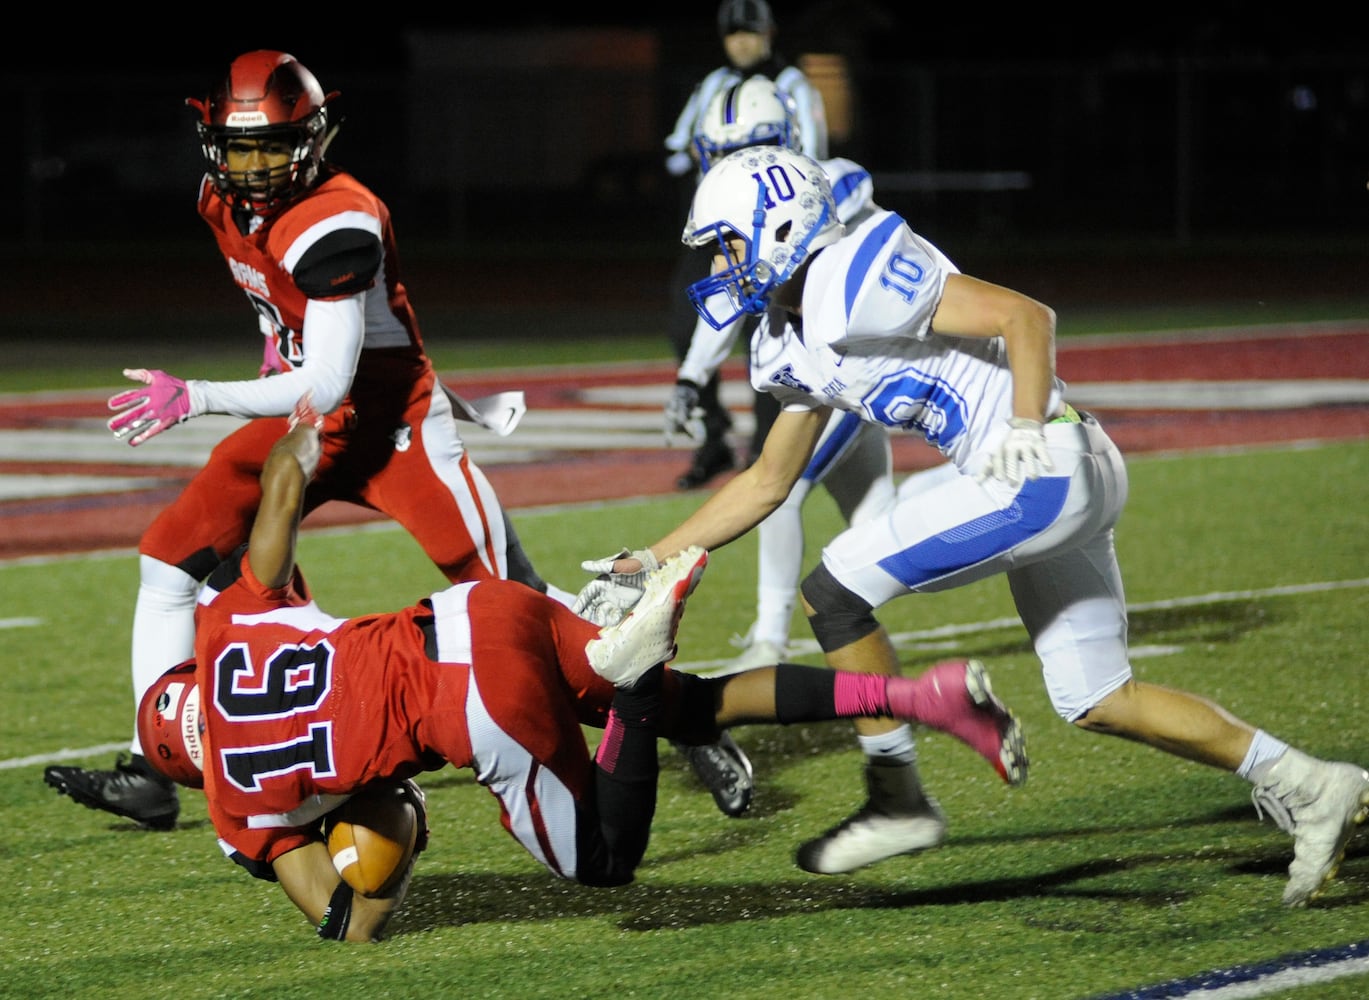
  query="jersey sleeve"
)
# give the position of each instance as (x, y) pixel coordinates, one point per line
(893, 282)
(334, 330)
(853, 189)
(809, 109)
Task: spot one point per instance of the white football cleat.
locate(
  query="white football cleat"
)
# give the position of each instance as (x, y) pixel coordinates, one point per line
(646, 637)
(759, 654)
(898, 818)
(1319, 803)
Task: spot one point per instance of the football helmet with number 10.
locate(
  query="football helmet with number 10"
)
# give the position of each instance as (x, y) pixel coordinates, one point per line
(779, 205)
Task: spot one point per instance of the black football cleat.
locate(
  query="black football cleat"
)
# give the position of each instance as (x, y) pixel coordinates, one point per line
(132, 790)
(712, 458)
(725, 771)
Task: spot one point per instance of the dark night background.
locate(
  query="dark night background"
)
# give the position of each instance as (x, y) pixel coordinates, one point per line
(1176, 123)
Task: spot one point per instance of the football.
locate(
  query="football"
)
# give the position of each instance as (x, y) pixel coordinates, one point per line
(371, 838)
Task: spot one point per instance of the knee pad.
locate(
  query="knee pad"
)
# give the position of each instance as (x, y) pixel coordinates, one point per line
(839, 617)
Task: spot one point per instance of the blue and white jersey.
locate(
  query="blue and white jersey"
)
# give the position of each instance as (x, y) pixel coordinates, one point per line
(865, 344)
(853, 189)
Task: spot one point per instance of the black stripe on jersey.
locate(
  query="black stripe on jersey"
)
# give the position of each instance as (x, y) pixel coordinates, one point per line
(228, 572)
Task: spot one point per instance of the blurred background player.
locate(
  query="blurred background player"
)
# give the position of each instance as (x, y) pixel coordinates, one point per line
(748, 31)
(314, 251)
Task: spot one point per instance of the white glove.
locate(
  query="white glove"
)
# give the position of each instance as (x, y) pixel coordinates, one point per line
(1022, 456)
(605, 603)
(683, 414)
(608, 598)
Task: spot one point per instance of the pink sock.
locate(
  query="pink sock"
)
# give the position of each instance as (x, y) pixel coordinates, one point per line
(860, 695)
(611, 744)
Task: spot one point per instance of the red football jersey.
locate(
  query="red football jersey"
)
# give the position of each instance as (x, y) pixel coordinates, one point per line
(301, 707)
(265, 262)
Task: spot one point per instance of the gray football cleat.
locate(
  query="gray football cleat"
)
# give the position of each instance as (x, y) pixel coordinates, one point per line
(726, 772)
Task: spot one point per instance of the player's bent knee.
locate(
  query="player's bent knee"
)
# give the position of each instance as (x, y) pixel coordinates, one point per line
(1110, 714)
(165, 578)
(837, 616)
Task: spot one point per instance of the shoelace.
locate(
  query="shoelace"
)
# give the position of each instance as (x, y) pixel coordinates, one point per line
(1268, 801)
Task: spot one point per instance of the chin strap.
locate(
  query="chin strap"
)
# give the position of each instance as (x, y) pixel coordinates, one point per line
(337, 915)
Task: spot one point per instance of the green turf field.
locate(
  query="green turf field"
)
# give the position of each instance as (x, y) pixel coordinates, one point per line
(1113, 868)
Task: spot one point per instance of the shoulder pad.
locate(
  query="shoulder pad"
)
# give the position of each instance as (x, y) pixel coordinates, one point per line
(343, 262)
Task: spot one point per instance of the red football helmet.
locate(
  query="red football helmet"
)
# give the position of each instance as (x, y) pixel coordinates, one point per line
(268, 96)
(171, 726)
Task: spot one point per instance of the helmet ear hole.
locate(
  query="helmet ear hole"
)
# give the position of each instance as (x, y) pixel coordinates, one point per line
(786, 201)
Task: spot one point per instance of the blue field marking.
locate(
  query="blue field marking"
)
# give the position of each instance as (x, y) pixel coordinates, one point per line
(1304, 968)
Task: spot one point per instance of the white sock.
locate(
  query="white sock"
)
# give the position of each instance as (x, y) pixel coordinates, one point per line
(895, 747)
(163, 627)
(1264, 749)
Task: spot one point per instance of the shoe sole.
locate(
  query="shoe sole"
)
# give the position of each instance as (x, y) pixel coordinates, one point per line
(1012, 749)
(678, 591)
(1356, 820)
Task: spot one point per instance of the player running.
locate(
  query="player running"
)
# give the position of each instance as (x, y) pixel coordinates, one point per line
(880, 323)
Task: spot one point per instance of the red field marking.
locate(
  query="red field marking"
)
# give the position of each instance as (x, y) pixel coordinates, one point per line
(116, 520)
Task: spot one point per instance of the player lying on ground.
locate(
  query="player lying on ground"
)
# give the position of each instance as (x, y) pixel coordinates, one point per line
(288, 710)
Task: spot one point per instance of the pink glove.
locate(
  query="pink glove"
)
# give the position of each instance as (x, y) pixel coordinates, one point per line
(307, 448)
(145, 413)
(305, 413)
(271, 361)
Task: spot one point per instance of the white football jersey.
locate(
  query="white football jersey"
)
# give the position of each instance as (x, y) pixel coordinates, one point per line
(865, 344)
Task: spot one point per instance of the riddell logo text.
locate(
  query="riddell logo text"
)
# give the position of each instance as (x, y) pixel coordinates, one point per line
(248, 277)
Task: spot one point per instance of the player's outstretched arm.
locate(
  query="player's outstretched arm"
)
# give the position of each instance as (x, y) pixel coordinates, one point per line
(746, 499)
(284, 476)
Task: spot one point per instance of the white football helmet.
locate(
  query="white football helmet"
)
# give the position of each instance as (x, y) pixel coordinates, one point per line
(754, 112)
(779, 204)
